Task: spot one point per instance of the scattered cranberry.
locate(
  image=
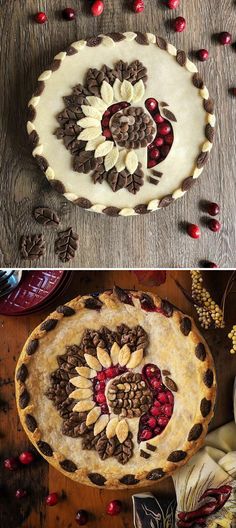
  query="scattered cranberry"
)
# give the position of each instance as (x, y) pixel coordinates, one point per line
(81, 517)
(97, 8)
(179, 24)
(113, 507)
(26, 458)
(20, 494)
(11, 464)
(214, 225)
(172, 4)
(52, 499)
(193, 230)
(225, 38)
(68, 13)
(213, 209)
(138, 6)
(151, 104)
(164, 129)
(203, 55)
(208, 264)
(41, 18)
(232, 91)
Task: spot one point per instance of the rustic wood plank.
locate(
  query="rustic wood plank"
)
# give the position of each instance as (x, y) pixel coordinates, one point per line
(41, 477)
(152, 240)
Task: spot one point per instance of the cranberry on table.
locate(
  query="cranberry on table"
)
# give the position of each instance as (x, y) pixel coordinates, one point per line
(214, 225)
(20, 493)
(203, 55)
(225, 38)
(26, 458)
(52, 499)
(213, 209)
(233, 91)
(68, 13)
(138, 6)
(81, 517)
(193, 231)
(208, 264)
(172, 4)
(41, 18)
(113, 507)
(97, 8)
(179, 24)
(11, 464)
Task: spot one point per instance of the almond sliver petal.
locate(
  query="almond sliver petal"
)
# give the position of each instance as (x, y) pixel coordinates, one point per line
(81, 394)
(122, 431)
(90, 111)
(103, 149)
(90, 133)
(81, 383)
(84, 405)
(111, 158)
(93, 415)
(100, 424)
(126, 91)
(92, 144)
(93, 362)
(103, 357)
(107, 93)
(97, 103)
(138, 91)
(124, 355)
(116, 90)
(86, 372)
(131, 161)
(111, 427)
(135, 359)
(115, 349)
(88, 122)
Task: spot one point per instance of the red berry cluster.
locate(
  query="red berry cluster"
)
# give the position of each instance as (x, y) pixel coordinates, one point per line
(156, 419)
(161, 145)
(99, 385)
(108, 115)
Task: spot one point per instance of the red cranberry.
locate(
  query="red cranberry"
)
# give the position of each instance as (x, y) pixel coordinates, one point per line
(173, 4)
(107, 133)
(100, 386)
(193, 231)
(225, 38)
(81, 517)
(169, 139)
(107, 113)
(41, 18)
(203, 55)
(158, 118)
(151, 370)
(151, 104)
(155, 384)
(157, 403)
(164, 129)
(152, 422)
(68, 13)
(233, 91)
(104, 408)
(20, 493)
(162, 421)
(26, 458)
(138, 6)
(158, 142)
(101, 376)
(97, 8)
(208, 264)
(100, 397)
(179, 24)
(11, 464)
(151, 163)
(165, 149)
(167, 409)
(213, 209)
(155, 411)
(146, 434)
(214, 225)
(113, 507)
(105, 121)
(157, 431)
(52, 499)
(162, 397)
(111, 372)
(170, 397)
(155, 153)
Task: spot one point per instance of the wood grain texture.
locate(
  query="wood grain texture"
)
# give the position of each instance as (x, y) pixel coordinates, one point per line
(40, 477)
(154, 240)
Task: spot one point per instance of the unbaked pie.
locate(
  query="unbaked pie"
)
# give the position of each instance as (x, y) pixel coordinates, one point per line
(121, 124)
(117, 389)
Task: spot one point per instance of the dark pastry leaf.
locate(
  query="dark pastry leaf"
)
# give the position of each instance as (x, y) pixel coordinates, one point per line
(66, 244)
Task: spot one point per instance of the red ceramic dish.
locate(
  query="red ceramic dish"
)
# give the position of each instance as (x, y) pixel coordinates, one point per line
(34, 288)
(52, 301)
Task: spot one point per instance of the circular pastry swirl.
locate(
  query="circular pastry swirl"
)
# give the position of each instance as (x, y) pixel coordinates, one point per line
(83, 161)
(128, 383)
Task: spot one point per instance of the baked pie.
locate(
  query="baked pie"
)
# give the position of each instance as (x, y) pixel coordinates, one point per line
(116, 389)
(121, 124)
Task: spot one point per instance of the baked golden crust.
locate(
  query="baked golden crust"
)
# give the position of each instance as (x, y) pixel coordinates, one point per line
(175, 344)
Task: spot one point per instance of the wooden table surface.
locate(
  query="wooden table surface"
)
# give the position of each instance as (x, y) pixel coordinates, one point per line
(154, 240)
(40, 477)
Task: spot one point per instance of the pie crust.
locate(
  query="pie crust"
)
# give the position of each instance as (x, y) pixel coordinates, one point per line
(98, 436)
(95, 136)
